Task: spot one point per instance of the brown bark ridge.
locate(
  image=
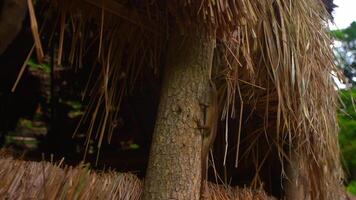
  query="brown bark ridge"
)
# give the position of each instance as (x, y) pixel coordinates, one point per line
(296, 186)
(175, 164)
(12, 14)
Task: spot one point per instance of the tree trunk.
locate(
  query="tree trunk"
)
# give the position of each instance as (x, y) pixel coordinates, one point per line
(297, 186)
(175, 164)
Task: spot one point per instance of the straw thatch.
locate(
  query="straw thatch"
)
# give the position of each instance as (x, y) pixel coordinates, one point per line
(43, 180)
(273, 60)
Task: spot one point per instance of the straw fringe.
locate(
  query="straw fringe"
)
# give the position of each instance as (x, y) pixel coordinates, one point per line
(43, 180)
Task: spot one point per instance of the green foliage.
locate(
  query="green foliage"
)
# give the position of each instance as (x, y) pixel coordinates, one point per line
(134, 146)
(347, 35)
(347, 114)
(25, 123)
(77, 108)
(351, 187)
(347, 122)
(345, 51)
(76, 105)
(33, 65)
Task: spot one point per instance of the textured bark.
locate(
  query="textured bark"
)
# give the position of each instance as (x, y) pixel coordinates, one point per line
(297, 186)
(12, 14)
(174, 169)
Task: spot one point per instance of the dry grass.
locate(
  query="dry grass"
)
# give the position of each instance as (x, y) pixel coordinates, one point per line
(273, 57)
(43, 180)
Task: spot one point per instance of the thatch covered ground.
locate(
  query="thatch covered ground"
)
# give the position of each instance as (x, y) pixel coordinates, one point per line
(43, 180)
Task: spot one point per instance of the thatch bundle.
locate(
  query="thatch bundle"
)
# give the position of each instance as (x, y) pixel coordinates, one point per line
(43, 180)
(273, 67)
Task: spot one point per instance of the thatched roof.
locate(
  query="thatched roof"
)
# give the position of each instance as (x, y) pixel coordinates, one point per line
(273, 58)
(43, 180)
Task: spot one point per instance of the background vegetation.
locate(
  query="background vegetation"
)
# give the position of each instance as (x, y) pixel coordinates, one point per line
(345, 52)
